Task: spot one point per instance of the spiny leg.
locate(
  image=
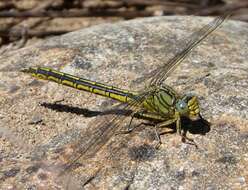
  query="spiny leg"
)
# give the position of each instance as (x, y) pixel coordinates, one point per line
(161, 125)
(177, 119)
(183, 135)
(129, 128)
(178, 123)
(168, 131)
(159, 142)
(190, 141)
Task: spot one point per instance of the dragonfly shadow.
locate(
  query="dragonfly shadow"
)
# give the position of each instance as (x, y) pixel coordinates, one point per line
(83, 111)
(200, 126)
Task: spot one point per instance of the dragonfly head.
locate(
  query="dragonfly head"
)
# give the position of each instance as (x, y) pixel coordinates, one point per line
(188, 106)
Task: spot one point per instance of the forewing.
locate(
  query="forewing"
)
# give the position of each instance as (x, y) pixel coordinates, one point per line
(159, 75)
(106, 126)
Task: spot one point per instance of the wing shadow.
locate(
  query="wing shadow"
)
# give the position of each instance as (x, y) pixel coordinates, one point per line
(83, 111)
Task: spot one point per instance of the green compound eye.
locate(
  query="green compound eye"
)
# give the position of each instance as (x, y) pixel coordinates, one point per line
(182, 107)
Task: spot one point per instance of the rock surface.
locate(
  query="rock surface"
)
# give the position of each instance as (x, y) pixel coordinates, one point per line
(42, 123)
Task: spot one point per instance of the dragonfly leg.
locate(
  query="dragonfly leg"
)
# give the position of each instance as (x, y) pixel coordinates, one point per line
(129, 127)
(159, 142)
(178, 123)
(183, 135)
(190, 141)
(161, 125)
(176, 119)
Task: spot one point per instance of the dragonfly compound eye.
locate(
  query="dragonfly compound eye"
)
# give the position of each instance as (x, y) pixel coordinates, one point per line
(182, 107)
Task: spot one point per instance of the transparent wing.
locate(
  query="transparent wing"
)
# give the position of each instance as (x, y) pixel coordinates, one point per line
(159, 75)
(87, 146)
(105, 127)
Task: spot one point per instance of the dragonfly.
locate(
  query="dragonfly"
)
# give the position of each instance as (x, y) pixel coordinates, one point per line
(157, 102)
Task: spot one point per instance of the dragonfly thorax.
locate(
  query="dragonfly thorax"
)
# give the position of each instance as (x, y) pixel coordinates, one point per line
(188, 106)
(162, 102)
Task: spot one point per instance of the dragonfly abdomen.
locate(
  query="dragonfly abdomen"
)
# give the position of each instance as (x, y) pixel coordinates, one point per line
(80, 83)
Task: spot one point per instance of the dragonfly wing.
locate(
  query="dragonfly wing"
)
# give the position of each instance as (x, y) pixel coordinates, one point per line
(159, 75)
(106, 126)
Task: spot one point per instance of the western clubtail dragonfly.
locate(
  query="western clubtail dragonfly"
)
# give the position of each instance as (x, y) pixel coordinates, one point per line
(158, 102)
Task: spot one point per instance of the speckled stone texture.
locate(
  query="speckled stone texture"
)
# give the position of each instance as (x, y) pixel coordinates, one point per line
(43, 124)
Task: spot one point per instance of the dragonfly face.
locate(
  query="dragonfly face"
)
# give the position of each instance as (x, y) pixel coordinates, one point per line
(188, 106)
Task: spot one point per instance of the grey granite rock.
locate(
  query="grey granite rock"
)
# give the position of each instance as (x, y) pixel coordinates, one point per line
(123, 54)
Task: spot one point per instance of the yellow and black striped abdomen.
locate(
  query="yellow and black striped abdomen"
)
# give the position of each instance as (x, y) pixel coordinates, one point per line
(80, 83)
